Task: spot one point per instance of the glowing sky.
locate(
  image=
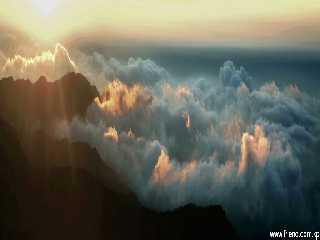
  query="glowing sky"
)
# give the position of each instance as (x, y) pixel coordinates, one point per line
(168, 20)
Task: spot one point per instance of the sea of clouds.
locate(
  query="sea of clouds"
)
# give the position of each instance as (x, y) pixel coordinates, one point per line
(203, 141)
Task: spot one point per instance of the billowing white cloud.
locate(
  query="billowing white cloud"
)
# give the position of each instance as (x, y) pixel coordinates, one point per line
(254, 150)
(99, 70)
(136, 71)
(119, 99)
(231, 76)
(220, 144)
(53, 65)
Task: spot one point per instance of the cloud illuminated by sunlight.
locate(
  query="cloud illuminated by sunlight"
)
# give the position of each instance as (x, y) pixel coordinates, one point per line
(52, 64)
(119, 99)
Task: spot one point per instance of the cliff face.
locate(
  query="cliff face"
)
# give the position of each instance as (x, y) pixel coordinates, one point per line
(55, 189)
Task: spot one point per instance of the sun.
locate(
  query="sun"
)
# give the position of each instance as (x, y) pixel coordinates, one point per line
(46, 7)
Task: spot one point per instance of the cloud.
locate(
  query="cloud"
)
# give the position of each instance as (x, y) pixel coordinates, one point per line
(112, 134)
(254, 149)
(231, 76)
(53, 65)
(119, 99)
(222, 144)
(13, 40)
(136, 71)
(165, 172)
(99, 70)
(187, 119)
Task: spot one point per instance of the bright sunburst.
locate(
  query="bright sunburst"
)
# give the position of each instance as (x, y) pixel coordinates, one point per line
(46, 7)
(201, 21)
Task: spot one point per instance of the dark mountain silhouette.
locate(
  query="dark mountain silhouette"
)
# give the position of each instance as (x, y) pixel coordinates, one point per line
(28, 106)
(13, 167)
(55, 189)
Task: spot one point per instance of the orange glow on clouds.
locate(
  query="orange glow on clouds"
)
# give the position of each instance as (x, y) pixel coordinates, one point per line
(254, 149)
(166, 173)
(119, 99)
(187, 119)
(112, 134)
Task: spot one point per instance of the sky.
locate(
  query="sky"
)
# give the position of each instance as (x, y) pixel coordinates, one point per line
(196, 21)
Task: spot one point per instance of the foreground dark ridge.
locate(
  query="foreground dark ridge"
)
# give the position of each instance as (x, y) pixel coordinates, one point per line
(28, 105)
(54, 189)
